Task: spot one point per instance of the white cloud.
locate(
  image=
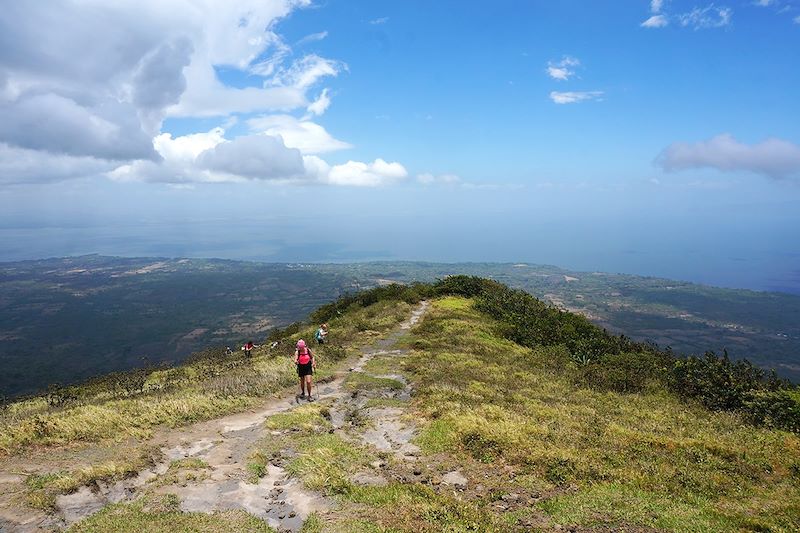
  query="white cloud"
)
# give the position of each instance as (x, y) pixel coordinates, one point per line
(656, 21)
(431, 179)
(105, 75)
(374, 174)
(321, 104)
(710, 16)
(313, 37)
(20, 166)
(58, 124)
(378, 21)
(308, 137)
(305, 72)
(187, 147)
(562, 70)
(772, 157)
(260, 157)
(797, 19)
(764, 3)
(571, 97)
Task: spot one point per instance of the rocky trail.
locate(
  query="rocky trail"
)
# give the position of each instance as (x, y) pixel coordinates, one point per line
(220, 450)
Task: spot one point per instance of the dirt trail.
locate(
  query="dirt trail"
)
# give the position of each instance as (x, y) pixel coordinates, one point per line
(225, 444)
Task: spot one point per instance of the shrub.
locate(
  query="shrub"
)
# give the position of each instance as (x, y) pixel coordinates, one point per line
(716, 381)
(778, 409)
(624, 372)
(406, 293)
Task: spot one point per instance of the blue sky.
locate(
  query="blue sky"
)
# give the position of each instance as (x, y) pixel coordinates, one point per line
(635, 136)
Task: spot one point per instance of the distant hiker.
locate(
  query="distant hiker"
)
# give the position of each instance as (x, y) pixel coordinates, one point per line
(273, 345)
(322, 334)
(248, 347)
(228, 351)
(304, 359)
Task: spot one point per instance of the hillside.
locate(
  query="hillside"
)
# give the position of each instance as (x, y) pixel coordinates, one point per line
(69, 319)
(457, 406)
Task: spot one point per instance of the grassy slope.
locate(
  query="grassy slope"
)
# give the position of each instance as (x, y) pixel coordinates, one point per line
(596, 457)
(109, 418)
(502, 416)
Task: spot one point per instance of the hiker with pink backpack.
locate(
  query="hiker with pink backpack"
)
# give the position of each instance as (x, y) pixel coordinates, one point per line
(304, 359)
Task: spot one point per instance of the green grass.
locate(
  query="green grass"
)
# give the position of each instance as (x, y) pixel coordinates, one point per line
(384, 402)
(163, 515)
(183, 471)
(364, 382)
(639, 459)
(42, 489)
(309, 418)
(198, 390)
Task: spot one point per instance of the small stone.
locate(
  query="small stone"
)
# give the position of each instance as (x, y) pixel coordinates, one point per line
(281, 516)
(292, 514)
(417, 471)
(455, 479)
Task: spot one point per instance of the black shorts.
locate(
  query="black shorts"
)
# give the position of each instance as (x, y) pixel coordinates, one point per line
(304, 370)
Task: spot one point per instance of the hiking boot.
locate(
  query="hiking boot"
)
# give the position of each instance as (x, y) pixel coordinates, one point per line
(310, 398)
(302, 396)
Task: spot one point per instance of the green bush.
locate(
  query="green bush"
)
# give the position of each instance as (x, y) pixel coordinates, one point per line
(717, 382)
(624, 372)
(778, 409)
(406, 293)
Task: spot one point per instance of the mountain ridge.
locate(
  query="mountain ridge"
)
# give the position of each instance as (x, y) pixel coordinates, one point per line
(448, 423)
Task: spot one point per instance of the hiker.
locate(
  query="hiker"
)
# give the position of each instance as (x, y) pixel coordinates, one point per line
(304, 359)
(228, 351)
(322, 334)
(248, 347)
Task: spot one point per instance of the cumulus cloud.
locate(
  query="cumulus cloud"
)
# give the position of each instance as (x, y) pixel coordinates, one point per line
(572, 97)
(656, 5)
(58, 124)
(357, 173)
(308, 137)
(562, 70)
(62, 93)
(656, 21)
(775, 158)
(89, 96)
(261, 157)
(20, 165)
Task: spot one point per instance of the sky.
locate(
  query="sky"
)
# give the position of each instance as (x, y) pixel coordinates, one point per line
(648, 137)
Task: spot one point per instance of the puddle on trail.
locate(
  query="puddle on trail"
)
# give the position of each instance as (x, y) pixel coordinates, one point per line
(390, 433)
(275, 498)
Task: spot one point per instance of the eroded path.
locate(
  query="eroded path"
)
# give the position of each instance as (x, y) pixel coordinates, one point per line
(206, 465)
